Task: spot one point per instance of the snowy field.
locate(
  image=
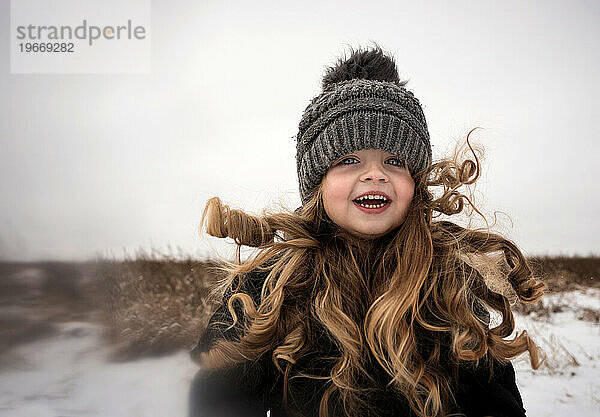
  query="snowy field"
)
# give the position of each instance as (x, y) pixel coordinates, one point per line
(68, 374)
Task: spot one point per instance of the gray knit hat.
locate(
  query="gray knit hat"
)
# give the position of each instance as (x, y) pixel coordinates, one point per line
(363, 105)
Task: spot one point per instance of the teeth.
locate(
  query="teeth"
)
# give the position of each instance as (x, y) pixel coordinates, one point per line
(371, 197)
(361, 200)
(372, 205)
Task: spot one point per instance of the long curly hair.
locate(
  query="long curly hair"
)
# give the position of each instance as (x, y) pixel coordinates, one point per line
(399, 299)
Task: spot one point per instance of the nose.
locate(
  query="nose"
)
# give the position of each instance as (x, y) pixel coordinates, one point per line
(374, 172)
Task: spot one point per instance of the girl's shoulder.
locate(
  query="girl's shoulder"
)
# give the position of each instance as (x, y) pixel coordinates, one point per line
(221, 324)
(489, 388)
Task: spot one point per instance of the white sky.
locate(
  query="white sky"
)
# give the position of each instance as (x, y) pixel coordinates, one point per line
(105, 163)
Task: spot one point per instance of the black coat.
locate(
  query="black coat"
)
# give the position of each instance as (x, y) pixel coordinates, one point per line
(252, 388)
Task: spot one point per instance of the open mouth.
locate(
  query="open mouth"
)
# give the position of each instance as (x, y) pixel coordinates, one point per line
(372, 201)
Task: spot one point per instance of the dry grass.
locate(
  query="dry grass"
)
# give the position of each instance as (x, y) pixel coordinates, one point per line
(155, 304)
(562, 274)
(589, 314)
(566, 273)
(559, 359)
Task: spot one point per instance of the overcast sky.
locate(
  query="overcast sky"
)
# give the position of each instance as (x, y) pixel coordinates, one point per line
(108, 164)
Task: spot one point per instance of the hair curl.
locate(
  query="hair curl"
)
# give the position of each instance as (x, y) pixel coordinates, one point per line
(399, 299)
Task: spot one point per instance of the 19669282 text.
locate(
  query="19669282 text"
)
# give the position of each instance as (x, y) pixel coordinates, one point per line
(46, 47)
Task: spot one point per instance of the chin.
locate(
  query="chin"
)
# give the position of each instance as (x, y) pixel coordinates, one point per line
(370, 234)
(374, 235)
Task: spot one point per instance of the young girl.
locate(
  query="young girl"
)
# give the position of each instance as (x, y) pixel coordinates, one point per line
(359, 303)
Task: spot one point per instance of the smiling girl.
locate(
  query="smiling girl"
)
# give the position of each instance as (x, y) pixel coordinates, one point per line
(359, 303)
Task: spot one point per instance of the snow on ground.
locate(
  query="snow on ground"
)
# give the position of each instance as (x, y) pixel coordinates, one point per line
(68, 375)
(570, 384)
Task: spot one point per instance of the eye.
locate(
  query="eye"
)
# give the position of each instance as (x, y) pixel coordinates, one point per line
(347, 161)
(397, 162)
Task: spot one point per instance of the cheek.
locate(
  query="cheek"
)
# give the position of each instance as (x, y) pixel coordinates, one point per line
(335, 188)
(411, 190)
(405, 189)
(336, 193)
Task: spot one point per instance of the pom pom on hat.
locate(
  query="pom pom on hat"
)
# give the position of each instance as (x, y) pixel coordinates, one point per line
(367, 64)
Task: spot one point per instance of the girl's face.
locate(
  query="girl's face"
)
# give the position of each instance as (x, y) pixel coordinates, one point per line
(364, 173)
